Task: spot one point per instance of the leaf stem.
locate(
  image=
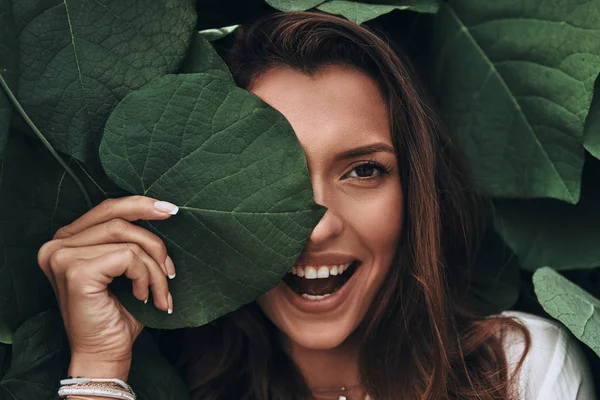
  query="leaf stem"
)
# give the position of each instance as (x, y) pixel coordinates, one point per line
(45, 142)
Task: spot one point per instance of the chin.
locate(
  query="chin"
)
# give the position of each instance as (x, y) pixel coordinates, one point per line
(327, 321)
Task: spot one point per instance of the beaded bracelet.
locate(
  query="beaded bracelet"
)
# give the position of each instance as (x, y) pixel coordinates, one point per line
(110, 388)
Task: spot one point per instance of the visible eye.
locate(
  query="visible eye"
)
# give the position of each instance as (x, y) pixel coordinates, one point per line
(369, 170)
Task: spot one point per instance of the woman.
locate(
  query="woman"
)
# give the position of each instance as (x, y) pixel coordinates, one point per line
(375, 305)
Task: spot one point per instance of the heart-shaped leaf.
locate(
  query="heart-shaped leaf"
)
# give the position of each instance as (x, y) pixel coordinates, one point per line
(574, 307)
(360, 12)
(79, 58)
(40, 359)
(238, 173)
(515, 82)
(8, 68)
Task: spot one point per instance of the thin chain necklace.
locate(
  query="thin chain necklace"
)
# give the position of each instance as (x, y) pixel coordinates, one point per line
(342, 393)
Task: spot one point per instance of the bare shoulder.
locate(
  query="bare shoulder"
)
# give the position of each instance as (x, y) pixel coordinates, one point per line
(554, 367)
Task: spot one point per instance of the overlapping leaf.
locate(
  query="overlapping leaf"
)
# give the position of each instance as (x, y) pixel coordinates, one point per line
(8, 68)
(360, 12)
(40, 359)
(591, 138)
(552, 233)
(36, 198)
(202, 57)
(515, 82)
(218, 33)
(294, 5)
(79, 58)
(235, 168)
(574, 307)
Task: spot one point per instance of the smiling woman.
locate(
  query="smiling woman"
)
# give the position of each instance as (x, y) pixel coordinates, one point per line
(375, 306)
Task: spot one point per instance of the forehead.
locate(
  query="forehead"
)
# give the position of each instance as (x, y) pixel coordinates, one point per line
(340, 107)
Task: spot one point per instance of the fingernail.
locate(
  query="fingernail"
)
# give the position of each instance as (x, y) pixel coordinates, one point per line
(170, 301)
(165, 206)
(146, 301)
(170, 267)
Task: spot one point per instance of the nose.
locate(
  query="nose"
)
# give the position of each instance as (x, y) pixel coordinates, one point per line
(331, 224)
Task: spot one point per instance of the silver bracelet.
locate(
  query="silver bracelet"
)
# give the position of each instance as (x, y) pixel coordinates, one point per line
(110, 388)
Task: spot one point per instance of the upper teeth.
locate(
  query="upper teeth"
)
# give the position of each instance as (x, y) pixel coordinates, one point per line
(318, 272)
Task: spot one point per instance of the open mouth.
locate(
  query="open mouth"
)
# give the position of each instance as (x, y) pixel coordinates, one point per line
(319, 282)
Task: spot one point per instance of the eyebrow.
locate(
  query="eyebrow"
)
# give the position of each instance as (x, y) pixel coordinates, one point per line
(361, 151)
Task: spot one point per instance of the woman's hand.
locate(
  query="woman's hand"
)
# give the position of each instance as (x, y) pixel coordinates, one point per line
(84, 257)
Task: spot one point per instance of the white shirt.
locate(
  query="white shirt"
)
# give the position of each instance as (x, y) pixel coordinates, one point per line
(555, 368)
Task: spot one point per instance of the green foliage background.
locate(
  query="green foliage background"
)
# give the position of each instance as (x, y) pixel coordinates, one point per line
(87, 83)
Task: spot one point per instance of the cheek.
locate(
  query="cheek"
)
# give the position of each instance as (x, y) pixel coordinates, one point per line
(377, 221)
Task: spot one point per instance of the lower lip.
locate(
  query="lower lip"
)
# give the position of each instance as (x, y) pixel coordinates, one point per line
(328, 303)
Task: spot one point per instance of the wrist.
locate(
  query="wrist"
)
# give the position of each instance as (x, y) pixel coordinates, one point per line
(91, 367)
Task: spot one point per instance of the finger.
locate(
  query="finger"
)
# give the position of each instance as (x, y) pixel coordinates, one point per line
(121, 231)
(129, 208)
(43, 259)
(97, 273)
(157, 281)
(127, 261)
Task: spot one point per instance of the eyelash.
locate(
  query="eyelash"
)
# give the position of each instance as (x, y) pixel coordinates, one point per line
(383, 170)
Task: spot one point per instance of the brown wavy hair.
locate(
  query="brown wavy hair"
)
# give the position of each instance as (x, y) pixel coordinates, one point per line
(421, 340)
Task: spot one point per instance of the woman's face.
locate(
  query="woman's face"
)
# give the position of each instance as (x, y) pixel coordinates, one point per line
(337, 112)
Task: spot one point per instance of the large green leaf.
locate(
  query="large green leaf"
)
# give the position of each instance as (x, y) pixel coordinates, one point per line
(36, 198)
(40, 359)
(79, 58)
(574, 307)
(360, 12)
(238, 173)
(515, 81)
(294, 5)
(8, 67)
(551, 232)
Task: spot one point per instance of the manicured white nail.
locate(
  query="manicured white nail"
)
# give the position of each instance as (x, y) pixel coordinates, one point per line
(165, 206)
(170, 268)
(170, 302)
(146, 301)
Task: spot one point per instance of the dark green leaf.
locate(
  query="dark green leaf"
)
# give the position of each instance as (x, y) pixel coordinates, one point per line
(36, 198)
(218, 33)
(574, 307)
(515, 81)
(40, 359)
(8, 67)
(5, 355)
(591, 139)
(238, 173)
(294, 5)
(202, 57)
(151, 376)
(360, 12)
(553, 233)
(79, 58)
